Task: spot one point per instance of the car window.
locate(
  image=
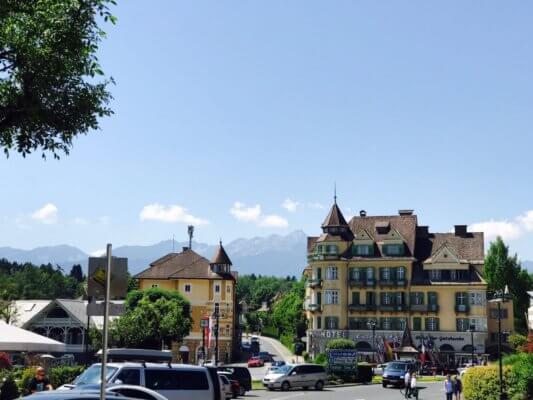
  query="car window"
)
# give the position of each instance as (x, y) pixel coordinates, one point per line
(129, 376)
(224, 379)
(134, 393)
(171, 379)
(316, 369)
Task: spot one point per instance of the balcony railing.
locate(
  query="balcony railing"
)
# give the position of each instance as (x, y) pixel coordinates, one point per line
(361, 282)
(314, 307)
(433, 307)
(462, 308)
(313, 283)
(322, 257)
(424, 307)
(393, 283)
(362, 307)
(393, 307)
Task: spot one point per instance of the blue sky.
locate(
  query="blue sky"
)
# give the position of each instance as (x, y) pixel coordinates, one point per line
(225, 110)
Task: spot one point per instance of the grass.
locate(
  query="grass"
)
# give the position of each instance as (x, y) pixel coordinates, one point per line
(257, 384)
(379, 378)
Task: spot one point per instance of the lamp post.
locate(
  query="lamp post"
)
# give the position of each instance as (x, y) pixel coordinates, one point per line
(471, 330)
(216, 314)
(499, 297)
(372, 325)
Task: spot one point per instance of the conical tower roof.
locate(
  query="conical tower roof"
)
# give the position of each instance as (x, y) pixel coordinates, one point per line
(335, 217)
(221, 257)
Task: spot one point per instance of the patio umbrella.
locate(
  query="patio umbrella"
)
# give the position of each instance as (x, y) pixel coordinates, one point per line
(18, 339)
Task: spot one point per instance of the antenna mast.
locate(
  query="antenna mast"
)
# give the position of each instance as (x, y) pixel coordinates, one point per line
(190, 231)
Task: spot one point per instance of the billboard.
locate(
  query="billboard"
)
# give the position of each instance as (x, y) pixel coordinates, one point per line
(342, 360)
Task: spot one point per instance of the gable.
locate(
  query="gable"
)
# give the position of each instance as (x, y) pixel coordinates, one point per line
(445, 258)
(363, 237)
(393, 237)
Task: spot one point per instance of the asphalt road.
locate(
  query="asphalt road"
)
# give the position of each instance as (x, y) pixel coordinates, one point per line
(430, 391)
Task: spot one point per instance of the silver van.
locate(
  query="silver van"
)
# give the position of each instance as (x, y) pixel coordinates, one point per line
(290, 376)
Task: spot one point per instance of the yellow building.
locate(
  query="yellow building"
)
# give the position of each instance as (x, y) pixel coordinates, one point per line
(387, 271)
(205, 284)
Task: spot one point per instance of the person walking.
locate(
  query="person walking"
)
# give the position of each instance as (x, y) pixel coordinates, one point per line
(413, 386)
(407, 382)
(448, 387)
(458, 387)
(40, 382)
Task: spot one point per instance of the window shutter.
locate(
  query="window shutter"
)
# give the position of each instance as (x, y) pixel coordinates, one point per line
(437, 324)
(319, 298)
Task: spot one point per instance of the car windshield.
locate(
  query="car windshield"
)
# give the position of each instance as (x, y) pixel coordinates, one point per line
(92, 375)
(395, 366)
(282, 370)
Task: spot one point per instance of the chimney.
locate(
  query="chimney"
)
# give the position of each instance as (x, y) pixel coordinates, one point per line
(185, 248)
(405, 212)
(461, 230)
(362, 213)
(422, 231)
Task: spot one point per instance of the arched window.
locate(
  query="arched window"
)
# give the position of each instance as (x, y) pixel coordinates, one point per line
(446, 348)
(363, 346)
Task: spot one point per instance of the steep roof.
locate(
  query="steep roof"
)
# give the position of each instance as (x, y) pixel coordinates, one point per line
(335, 217)
(468, 247)
(404, 224)
(221, 257)
(185, 265)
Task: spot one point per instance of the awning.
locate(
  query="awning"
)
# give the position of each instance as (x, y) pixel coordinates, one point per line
(18, 339)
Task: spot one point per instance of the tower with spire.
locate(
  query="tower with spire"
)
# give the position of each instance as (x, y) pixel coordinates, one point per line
(221, 263)
(335, 224)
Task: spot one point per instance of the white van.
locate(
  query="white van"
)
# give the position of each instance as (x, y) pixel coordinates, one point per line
(301, 375)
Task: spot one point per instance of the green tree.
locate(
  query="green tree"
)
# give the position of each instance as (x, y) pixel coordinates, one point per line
(517, 340)
(49, 87)
(502, 269)
(340, 344)
(153, 317)
(287, 314)
(77, 273)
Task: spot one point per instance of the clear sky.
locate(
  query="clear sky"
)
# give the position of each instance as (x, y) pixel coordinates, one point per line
(226, 110)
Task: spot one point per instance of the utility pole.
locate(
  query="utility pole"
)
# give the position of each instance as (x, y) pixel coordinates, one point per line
(190, 232)
(217, 320)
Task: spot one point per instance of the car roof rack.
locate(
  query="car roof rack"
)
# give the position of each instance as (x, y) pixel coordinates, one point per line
(138, 355)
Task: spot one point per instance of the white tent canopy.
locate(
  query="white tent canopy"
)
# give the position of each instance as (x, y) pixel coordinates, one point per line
(17, 339)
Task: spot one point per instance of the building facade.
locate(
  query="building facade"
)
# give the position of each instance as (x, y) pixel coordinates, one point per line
(205, 284)
(368, 278)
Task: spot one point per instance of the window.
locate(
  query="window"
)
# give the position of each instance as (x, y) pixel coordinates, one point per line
(129, 376)
(217, 288)
(400, 274)
(155, 285)
(432, 298)
(171, 379)
(355, 298)
(463, 324)
(477, 299)
(385, 274)
(417, 298)
(319, 298)
(331, 273)
(332, 249)
(494, 313)
(318, 323)
(453, 274)
(432, 324)
(479, 324)
(331, 322)
(318, 273)
(461, 298)
(370, 273)
(417, 323)
(331, 296)
(57, 312)
(363, 250)
(355, 274)
(435, 274)
(386, 298)
(386, 324)
(393, 249)
(399, 298)
(187, 288)
(371, 298)
(228, 288)
(319, 249)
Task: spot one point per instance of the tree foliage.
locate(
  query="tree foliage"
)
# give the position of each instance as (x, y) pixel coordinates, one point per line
(287, 313)
(340, 344)
(502, 269)
(152, 317)
(51, 84)
(28, 281)
(77, 273)
(254, 290)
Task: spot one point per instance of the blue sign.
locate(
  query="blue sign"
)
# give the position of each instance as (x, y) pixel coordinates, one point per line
(342, 360)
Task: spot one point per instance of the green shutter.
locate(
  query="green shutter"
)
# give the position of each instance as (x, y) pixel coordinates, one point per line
(355, 297)
(319, 322)
(417, 324)
(319, 273)
(319, 298)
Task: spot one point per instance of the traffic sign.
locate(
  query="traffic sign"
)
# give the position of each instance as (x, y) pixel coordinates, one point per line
(96, 280)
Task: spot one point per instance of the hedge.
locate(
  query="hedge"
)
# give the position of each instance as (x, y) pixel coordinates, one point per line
(521, 376)
(483, 383)
(60, 375)
(340, 344)
(8, 387)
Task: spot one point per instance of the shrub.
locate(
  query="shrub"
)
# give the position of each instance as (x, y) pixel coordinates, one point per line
(321, 359)
(270, 331)
(340, 344)
(517, 340)
(4, 361)
(483, 383)
(521, 376)
(8, 387)
(288, 342)
(65, 374)
(24, 382)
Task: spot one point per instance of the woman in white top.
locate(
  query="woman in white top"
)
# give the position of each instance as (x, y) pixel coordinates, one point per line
(414, 389)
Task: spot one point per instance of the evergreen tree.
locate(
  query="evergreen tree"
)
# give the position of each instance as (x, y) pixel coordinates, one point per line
(77, 273)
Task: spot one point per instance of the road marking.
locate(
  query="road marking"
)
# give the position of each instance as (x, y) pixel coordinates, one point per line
(288, 397)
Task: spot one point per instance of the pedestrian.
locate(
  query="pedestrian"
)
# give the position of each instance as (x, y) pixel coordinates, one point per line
(413, 386)
(40, 382)
(458, 387)
(407, 383)
(448, 387)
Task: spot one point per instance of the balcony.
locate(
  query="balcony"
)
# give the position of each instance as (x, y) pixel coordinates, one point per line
(393, 307)
(424, 307)
(322, 257)
(433, 307)
(462, 308)
(314, 307)
(313, 283)
(361, 283)
(392, 283)
(362, 307)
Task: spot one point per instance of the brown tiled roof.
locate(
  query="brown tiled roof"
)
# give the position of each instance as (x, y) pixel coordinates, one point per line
(335, 217)
(221, 257)
(404, 224)
(185, 265)
(469, 247)
(311, 240)
(328, 237)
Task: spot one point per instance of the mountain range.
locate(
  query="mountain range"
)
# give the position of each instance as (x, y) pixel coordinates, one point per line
(279, 255)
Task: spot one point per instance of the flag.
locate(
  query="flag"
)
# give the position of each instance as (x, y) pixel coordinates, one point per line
(209, 330)
(423, 352)
(388, 350)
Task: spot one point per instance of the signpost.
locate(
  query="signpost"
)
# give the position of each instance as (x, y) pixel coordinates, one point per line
(342, 361)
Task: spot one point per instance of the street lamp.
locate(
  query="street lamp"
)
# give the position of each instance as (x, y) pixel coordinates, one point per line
(372, 325)
(471, 330)
(499, 297)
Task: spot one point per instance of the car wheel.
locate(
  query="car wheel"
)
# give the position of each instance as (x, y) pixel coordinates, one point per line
(319, 385)
(242, 391)
(285, 386)
(383, 384)
(270, 389)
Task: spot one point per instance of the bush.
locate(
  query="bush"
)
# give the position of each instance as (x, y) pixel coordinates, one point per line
(340, 344)
(8, 387)
(4, 361)
(270, 331)
(24, 382)
(521, 376)
(517, 340)
(321, 359)
(483, 383)
(288, 342)
(65, 374)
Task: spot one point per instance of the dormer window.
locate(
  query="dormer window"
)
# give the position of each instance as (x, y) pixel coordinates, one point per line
(393, 249)
(363, 250)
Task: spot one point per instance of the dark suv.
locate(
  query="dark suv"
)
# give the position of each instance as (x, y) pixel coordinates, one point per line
(239, 374)
(394, 373)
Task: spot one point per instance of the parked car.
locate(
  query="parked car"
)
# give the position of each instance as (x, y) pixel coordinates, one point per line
(240, 374)
(301, 375)
(278, 363)
(265, 356)
(255, 362)
(246, 346)
(235, 388)
(225, 385)
(394, 373)
(254, 339)
(136, 392)
(73, 395)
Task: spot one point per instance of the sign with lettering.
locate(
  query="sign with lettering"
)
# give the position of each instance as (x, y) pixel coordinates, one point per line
(96, 280)
(342, 360)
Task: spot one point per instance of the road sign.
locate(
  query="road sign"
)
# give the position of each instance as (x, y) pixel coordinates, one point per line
(204, 323)
(98, 309)
(97, 278)
(342, 360)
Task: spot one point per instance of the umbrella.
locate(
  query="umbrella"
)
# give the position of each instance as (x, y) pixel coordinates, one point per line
(18, 339)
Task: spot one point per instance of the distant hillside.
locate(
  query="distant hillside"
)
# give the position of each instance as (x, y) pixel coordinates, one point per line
(272, 255)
